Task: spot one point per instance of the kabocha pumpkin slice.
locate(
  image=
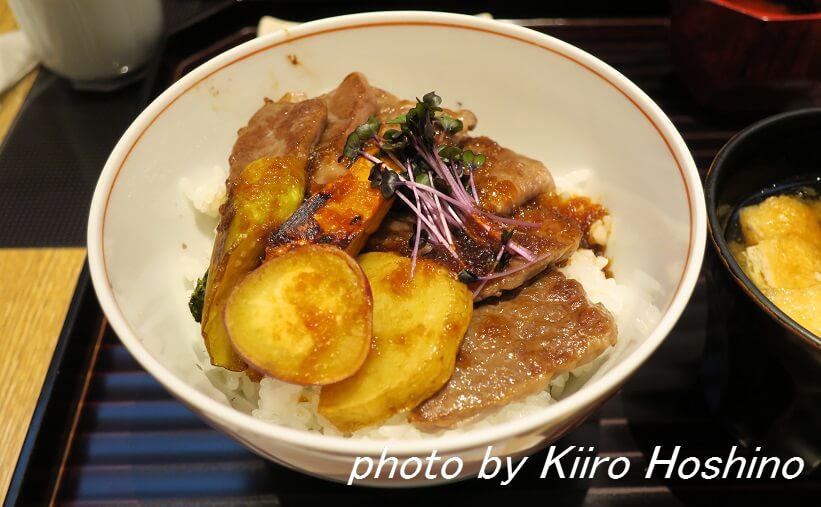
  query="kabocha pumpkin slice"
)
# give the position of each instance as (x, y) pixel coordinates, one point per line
(304, 317)
(343, 213)
(418, 324)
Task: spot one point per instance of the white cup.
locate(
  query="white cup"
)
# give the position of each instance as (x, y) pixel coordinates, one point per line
(96, 44)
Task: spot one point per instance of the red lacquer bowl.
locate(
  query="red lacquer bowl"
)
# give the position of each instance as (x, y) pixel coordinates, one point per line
(748, 55)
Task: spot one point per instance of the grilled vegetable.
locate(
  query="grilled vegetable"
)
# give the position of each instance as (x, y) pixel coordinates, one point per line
(303, 317)
(418, 324)
(265, 194)
(343, 213)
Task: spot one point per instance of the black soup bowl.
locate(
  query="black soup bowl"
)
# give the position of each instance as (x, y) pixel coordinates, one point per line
(765, 367)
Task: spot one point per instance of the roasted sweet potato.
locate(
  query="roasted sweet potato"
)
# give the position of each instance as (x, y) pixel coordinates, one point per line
(304, 317)
(266, 183)
(418, 324)
(343, 213)
(265, 193)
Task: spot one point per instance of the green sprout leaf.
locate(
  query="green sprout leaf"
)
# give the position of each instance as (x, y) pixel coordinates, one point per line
(368, 129)
(467, 277)
(390, 180)
(392, 135)
(432, 100)
(352, 146)
(362, 133)
(449, 152)
(423, 179)
(375, 176)
(449, 124)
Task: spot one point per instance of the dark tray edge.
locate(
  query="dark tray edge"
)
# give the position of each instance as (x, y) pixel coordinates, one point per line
(36, 476)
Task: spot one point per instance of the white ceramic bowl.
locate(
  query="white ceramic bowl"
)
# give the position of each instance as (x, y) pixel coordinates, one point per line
(533, 93)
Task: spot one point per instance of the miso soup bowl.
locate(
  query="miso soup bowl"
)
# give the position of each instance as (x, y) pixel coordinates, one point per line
(762, 353)
(533, 93)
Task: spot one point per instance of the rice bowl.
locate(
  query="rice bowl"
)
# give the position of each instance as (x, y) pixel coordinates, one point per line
(136, 261)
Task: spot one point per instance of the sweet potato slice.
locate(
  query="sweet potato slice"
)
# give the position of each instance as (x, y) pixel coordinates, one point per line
(418, 324)
(263, 196)
(265, 184)
(303, 317)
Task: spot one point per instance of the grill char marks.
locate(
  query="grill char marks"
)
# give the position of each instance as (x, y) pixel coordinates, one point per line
(277, 129)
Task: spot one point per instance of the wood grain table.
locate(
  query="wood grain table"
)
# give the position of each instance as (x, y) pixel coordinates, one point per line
(37, 285)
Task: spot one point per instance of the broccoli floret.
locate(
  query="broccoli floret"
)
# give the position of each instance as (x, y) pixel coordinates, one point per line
(198, 298)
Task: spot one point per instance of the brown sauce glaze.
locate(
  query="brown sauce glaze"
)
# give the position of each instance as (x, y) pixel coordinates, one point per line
(581, 210)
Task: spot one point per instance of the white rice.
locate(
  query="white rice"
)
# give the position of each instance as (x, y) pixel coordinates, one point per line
(208, 192)
(296, 406)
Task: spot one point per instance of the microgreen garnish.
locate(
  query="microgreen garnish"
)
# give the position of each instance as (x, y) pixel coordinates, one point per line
(504, 260)
(448, 124)
(364, 132)
(389, 181)
(375, 176)
(500, 262)
(435, 179)
(468, 277)
(423, 238)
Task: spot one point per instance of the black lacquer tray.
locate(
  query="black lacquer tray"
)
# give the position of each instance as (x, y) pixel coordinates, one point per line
(106, 433)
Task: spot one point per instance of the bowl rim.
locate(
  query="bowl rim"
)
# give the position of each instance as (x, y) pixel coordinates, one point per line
(722, 247)
(593, 392)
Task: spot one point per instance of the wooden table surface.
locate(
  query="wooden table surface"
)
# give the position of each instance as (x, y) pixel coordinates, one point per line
(37, 287)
